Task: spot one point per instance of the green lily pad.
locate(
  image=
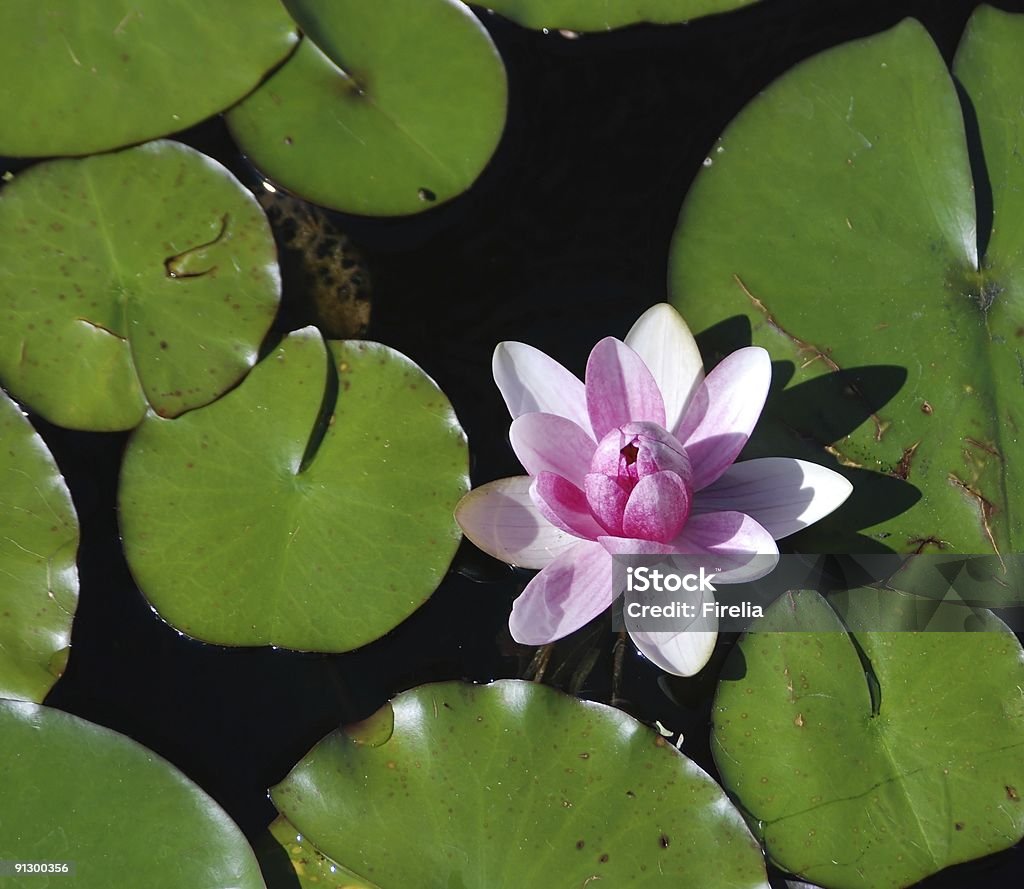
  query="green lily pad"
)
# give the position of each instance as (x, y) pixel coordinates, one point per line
(77, 78)
(385, 108)
(873, 759)
(38, 576)
(515, 784)
(837, 214)
(290, 861)
(117, 812)
(277, 516)
(587, 15)
(148, 276)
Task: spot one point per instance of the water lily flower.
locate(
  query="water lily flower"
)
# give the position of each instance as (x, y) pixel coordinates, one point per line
(638, 459)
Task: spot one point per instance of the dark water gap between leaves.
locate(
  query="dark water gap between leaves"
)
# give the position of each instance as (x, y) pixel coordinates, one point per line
(325, 416)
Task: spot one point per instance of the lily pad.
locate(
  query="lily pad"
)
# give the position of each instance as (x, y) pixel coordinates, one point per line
(38, 576)
(148, 276)
(115, 811)
(586, 15)
(873, 759)
(515, 784)
(385, 108)
(279, 516)
(837, 215)
(77, 78)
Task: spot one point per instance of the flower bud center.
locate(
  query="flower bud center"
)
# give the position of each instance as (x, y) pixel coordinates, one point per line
(624, 458)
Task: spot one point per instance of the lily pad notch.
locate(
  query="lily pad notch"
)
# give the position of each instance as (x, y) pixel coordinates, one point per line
(144, 278)
(873, 758)
(309, 508)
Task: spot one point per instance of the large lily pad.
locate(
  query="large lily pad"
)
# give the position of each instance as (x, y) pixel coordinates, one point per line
(515, 784)
(148, 276)
(77, 78)
(276, 516)
(38, 576)
(871, 759)
(587, 15)
(837, 214)
(385, 108)
(80, 793)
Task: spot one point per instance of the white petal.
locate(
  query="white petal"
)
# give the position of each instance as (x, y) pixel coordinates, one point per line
(662, 339)
(549, 443)
(723, 413)
(532, 382)
(781, 494)
(568, 593)
(501, 519)
(682, 654)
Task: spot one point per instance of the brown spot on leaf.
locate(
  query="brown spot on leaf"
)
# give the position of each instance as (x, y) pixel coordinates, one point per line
(902, 470)
(986, 508)
(921, 543)
(987, 447)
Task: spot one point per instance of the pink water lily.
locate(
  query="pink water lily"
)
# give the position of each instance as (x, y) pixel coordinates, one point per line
(637, 460)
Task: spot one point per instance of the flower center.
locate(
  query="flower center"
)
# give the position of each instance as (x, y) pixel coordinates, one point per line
(640, 483)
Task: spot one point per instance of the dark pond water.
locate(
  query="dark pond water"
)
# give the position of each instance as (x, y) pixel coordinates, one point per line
(564, 240)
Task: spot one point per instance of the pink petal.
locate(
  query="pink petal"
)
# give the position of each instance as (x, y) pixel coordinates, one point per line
(568, 593)
(725, 409)
(501, 519)
(781, 494)
(607, 500)
(731, 543)
(683, 653)
(564, 505)
(608, 459)
(532, 382)
(657, 507)
(664, 342)
(549, 443)
(657, 450)
(620, 388)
